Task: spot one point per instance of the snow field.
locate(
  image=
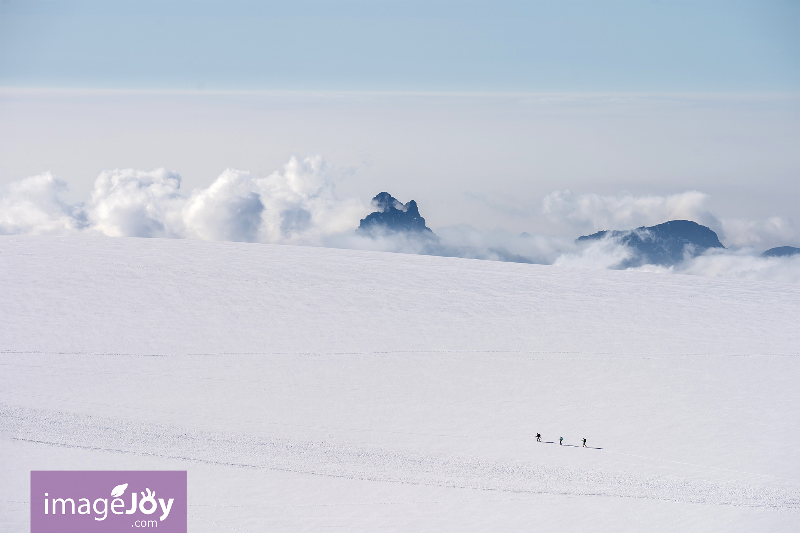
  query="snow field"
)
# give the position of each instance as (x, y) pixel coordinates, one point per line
(318, 387)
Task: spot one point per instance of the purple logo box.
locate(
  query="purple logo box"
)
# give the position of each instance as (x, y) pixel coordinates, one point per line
(88, 501)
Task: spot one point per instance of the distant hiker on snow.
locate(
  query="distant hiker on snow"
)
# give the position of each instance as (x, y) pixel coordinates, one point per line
(538, 437)
(560, 440)
(584, 443)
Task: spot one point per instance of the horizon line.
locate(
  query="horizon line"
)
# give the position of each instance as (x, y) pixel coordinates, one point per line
(66, 90)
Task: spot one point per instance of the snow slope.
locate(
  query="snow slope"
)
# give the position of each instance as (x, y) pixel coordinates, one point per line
(309, 388)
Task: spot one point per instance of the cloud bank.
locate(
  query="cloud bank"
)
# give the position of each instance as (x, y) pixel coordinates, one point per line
(298, 205)
(589, 213)
(742, 263)
(34, 206)
(593, 212)
(295, 205)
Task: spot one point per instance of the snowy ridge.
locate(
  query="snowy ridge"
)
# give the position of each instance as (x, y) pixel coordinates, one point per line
(362, 463)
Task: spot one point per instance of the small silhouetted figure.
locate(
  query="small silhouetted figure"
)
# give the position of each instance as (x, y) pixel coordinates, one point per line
(584, 443)
(538, 437)
(560, 440)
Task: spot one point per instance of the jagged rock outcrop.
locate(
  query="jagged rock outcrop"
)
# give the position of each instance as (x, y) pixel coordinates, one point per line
(392, 216)
(664, 244)
(781, 251)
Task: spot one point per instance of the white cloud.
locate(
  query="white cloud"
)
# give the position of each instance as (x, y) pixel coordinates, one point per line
(296, 204)
(763, 234)
(34, 206)
(535, 248)
(602, 253)
(136, 203)
(746, 263)
(230, 209)
(625, 211)
(301, 205)
(743, 264)
(588, 213)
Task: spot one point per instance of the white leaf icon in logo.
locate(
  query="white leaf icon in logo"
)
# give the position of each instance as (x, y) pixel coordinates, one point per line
(119, 490)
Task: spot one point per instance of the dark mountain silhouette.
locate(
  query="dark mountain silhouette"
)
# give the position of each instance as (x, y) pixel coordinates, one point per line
(781, 251)
(665, 244)
(404, 221)
(391, 216)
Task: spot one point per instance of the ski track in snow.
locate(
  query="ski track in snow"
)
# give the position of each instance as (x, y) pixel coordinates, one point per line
(371, 464)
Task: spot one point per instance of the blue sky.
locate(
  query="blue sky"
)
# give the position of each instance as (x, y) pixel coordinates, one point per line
(432, 45)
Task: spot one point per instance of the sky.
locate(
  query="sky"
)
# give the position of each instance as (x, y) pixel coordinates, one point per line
(485, 113)
(380, 45)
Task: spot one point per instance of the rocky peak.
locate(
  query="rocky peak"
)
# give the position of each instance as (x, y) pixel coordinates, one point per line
(393, 216)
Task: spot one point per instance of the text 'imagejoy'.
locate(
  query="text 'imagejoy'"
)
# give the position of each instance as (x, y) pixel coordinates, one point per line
(108, 501)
